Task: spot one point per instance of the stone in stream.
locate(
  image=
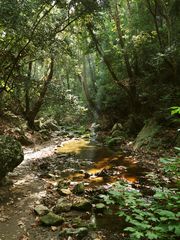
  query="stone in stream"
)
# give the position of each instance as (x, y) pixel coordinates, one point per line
(11, 155)
(81, 204)
(41, 210)
(63, 205)
(51, 219)
(79, 188)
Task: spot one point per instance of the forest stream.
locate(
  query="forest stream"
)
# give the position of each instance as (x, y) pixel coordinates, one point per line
(48, 166)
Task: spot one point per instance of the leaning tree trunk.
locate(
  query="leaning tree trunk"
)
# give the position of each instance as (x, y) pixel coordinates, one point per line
(31, 115)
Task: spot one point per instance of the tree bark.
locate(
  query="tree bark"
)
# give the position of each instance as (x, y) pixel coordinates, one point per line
(27, 100)
(31, 115)
(106, 61)
(130, 73)
(83, 79)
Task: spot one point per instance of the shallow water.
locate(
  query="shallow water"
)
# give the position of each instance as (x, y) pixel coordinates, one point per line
(107, 165)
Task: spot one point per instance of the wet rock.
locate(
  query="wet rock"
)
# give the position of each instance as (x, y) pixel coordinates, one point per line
(41, 210)
(64, 191)
(81, 204)
(51, 219)
(63, 205)
(11, 155)
(79, 233)
(79, 188)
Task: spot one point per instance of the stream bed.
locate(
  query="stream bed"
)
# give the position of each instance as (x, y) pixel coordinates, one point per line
(62, 163)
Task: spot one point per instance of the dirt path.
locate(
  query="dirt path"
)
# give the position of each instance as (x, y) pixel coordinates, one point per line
(16, 218)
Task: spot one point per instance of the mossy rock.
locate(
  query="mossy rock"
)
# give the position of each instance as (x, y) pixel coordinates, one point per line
(147, 135)
(81, 204)
(51, 219)
(11, 155)
(63, 205)
(41, 210)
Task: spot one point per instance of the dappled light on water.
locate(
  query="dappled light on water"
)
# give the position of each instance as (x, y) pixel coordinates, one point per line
(74, 146)
(107, 166)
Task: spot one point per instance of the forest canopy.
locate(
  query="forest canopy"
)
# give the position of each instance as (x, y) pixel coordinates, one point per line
(120, 57)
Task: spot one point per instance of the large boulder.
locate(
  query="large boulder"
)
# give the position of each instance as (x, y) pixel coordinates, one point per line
(147, 135)
(11, 155)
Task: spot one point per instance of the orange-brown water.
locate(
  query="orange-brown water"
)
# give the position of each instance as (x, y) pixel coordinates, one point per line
(107, 166)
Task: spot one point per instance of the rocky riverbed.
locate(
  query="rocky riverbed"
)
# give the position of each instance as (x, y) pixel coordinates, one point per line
(56, 192)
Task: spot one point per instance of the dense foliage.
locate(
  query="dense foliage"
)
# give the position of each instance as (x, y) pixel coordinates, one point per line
(102, 61)
(120, 57)
(150, 217)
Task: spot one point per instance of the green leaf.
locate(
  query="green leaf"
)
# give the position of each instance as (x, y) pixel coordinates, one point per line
(138, 217)
(177, 230)
(178, 214)
(166, 213)
(140, 225)
(163, 218)
(151, 235)
(137, 235)
(130, 229)
(175, 110)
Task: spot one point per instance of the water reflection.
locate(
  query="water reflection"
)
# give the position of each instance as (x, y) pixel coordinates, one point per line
(107, 165)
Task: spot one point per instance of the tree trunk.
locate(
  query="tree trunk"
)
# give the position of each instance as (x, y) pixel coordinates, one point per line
(92, 73)
(30, 117)
(106, 61)
(83, 80)
(130, 73)
(27, 85)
